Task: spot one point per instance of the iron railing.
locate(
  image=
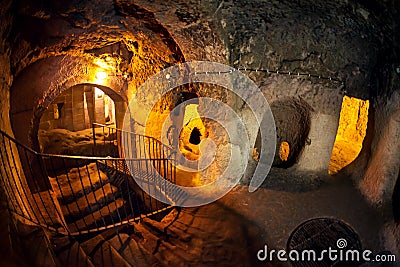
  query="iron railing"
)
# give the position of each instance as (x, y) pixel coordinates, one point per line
(75, 195)
(162, 157)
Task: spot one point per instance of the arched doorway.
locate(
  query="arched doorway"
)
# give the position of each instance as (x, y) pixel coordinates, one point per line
(77, 108)
(193, 129)
(65, 127)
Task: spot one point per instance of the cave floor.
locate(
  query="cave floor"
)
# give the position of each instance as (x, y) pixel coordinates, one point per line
(274, 214)
(278, 208)
(230, 231)
(248, 221)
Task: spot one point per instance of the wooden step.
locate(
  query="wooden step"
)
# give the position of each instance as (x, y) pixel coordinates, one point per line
(90, 202)
(105, 215)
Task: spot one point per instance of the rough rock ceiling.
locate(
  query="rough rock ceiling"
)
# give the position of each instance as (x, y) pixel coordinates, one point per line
(85, 29)
(335, 38)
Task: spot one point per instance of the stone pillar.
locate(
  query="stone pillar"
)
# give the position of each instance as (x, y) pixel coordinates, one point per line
(89, 93)
(66, 118)
(317, 153)
(99, 111)
(78, 112)
(120, 109)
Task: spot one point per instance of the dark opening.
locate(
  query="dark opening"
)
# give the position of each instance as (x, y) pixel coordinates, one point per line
(195, 136)
(59, 108)
(189, 95)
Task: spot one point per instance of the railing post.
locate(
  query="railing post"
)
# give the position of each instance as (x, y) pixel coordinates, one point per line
(94, 139)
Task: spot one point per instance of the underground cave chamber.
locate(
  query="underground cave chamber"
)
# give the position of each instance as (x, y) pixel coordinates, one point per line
(76, 158)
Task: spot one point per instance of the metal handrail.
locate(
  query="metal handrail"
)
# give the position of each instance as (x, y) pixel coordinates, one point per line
(74, 156)
(155, 151)
(125, 131)
(161, 146)
(73, 195)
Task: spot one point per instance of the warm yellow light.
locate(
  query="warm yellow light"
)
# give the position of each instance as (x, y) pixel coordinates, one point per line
(191, 120)
(101, 75)
(103, 64)
(350, 134)
(191, 113)
(284, 151)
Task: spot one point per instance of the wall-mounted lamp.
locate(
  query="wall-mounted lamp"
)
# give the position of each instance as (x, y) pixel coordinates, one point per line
(102, 76)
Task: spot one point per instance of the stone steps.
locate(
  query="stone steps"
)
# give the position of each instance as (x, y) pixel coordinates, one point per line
(84, 209)
(78, 182)
(90, 197)
(134, 253)
(70, 253)
(90, 202)
(102, 253)
(129, 245)
(105, 215)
